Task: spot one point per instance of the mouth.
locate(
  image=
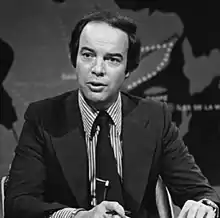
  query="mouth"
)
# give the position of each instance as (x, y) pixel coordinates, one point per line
(96, 86)
(96, 83)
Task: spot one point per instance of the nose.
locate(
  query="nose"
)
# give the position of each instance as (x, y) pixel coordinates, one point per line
(99, 68)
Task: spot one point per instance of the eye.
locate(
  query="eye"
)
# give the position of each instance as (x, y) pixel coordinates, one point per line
(87, 55)
(113, 60)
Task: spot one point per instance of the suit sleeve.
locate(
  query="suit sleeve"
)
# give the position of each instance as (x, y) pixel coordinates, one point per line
(25, 187)
(180, 172)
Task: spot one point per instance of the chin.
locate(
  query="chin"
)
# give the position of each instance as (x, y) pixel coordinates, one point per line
(96, 97)
(98, 100)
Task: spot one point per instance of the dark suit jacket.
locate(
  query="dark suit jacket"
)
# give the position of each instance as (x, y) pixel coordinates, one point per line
(50, 169)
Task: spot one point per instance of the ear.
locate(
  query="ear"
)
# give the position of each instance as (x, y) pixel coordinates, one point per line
(127, 74)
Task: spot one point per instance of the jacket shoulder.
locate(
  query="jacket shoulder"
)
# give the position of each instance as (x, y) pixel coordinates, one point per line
(47, 108)
(147, 105)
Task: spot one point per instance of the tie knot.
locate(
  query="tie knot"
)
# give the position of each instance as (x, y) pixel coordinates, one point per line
(103, 119)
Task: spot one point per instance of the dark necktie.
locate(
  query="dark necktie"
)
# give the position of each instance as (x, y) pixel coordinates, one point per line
(106, 165)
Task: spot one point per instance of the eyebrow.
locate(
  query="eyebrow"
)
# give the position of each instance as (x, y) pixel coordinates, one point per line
(86, 48)
(108, 54)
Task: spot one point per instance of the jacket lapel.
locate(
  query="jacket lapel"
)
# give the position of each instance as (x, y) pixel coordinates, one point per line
(138, 148)
(72, 152)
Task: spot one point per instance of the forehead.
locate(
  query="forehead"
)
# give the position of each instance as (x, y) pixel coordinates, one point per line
(102, 35)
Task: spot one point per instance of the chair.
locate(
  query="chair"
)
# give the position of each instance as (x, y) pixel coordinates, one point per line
(163, 198)
(4, 180)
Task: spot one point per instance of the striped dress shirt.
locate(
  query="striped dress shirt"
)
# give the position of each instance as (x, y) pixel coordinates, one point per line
(89, 115)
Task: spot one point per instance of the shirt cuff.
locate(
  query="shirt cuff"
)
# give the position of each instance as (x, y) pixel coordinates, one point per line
(211, 204)
(66, 213)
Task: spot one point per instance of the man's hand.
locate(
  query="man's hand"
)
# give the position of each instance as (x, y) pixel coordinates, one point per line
(194, 209)
(100, 210)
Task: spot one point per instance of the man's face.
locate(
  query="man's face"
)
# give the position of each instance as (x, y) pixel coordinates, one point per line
(101, 63)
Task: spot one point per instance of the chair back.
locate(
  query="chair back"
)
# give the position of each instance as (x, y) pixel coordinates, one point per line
(163, 200)
(3, 184)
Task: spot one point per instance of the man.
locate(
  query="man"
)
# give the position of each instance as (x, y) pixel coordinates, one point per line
(55, 172)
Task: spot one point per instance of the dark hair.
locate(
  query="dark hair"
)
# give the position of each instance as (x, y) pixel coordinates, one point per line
(115, 20)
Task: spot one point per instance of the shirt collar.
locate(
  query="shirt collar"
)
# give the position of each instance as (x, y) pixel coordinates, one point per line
(89, 114)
